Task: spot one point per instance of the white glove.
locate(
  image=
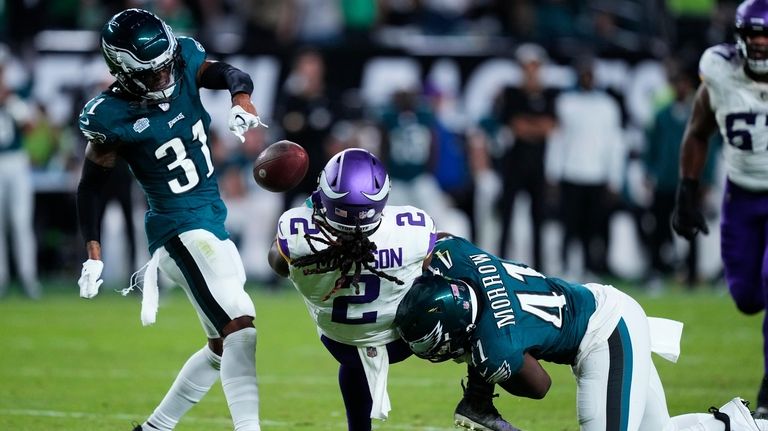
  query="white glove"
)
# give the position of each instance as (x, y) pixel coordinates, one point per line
(240, 121)
(90, 278)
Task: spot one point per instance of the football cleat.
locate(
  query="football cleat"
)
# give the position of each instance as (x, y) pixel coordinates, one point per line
(137, 427)
(736, 415)
(480, 415)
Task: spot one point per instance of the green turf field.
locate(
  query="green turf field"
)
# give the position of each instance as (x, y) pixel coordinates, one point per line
(67, 364)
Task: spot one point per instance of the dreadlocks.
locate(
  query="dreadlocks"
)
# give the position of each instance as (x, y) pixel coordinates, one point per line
(343, 251)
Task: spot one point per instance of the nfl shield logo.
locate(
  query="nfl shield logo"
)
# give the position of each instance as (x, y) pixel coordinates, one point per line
(371, 352)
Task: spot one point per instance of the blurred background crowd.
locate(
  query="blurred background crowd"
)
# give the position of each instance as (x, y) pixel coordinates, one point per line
(547, 131)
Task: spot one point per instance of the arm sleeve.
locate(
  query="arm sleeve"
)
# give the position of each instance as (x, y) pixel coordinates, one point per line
(220, 75)
(90, 199)
(194, 56)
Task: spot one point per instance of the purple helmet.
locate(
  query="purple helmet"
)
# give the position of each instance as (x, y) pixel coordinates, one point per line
(353, 188)
(752, 20)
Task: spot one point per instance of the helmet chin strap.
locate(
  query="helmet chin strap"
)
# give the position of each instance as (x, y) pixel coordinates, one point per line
(161, 94)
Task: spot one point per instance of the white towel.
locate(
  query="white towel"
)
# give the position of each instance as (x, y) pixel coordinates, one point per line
(665, 337)
(376, 365)
(150, 291)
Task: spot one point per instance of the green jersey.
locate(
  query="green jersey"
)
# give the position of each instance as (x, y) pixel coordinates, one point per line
(165, 145)
(520, 310)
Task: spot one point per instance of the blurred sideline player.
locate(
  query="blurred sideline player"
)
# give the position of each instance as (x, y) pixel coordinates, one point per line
(17, 195)
(502, 318)
(732, 97)
(353, 257)
(153, 118)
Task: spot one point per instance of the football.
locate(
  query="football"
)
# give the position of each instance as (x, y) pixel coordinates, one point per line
(281, 166)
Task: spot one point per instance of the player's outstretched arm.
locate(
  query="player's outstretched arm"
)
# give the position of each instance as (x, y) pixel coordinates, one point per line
(687, 218)
(218, 75)
(532, 381)
(90, 197)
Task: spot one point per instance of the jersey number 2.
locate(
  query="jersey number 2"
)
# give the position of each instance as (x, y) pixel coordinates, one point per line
(176, 145)
(341, 303)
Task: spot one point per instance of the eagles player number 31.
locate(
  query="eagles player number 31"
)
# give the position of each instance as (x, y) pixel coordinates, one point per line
(153, 118)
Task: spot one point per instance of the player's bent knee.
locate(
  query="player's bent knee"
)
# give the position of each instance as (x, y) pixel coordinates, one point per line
(749, 308)
(237, 324)
(747, 304)
(216, 345)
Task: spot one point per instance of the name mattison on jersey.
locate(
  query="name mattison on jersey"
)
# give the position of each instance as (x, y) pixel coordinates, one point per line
(383, 259)
(494, 290)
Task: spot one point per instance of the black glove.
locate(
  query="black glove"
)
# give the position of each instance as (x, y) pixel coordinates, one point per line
(687, 218)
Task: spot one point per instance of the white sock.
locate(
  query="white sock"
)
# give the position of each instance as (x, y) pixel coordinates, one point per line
(238, 379)
(698, 422)
(194, 380)
(762, 424)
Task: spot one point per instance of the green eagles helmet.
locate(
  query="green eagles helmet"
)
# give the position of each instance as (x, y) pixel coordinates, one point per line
(436, 317)
(142, 53)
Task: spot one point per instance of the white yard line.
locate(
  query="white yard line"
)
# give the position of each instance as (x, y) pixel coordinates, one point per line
(189, 419)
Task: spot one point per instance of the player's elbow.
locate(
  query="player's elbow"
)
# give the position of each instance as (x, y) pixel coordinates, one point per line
(541, 388)
(537, 390)
(277, 262)
(528, 388)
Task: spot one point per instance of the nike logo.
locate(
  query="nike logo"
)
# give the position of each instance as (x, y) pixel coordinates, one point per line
(85, 121)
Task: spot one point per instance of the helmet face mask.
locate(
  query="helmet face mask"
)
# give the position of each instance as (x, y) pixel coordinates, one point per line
(143, 54)
(353, 189)
(436, 318)
(752, 23)
(159, 82)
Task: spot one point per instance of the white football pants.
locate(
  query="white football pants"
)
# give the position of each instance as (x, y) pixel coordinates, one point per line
(211, 273)
(618, 387)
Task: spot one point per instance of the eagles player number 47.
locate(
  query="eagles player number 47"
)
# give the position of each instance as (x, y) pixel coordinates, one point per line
(187, 165)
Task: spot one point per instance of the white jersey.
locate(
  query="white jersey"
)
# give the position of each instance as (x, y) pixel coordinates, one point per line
(404, 239)
(741, 108)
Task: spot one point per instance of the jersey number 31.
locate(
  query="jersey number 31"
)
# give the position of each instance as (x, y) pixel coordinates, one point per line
(182, 161)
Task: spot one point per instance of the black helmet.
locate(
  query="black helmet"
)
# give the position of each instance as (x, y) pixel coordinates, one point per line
(142, 53)
(436, 317)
